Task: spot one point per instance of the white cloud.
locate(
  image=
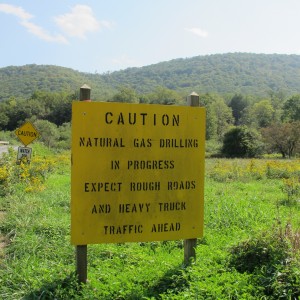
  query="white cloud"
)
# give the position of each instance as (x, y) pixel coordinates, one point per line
(43, 34)
(34, 29)
(79, 21)
(15, 10)
(198, 31)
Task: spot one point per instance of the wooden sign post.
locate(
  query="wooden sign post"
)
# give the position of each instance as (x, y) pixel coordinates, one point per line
(190, 244)
(81, 250)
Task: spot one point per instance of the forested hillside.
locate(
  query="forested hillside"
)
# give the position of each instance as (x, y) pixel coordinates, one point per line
(250, 98)
(23, 81)
(252, 74)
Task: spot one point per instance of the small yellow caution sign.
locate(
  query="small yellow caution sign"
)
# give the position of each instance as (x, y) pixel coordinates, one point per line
(27, 133)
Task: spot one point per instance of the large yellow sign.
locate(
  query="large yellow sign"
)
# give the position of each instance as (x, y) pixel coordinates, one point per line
(137, 172)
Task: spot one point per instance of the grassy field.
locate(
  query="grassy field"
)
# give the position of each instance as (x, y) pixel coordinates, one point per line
(250, 249)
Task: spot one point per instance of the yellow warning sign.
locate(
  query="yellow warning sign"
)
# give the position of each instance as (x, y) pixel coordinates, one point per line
(137, 172)
(27, 133)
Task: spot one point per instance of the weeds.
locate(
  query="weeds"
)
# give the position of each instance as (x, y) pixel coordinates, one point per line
(246, 253)
(246, 170)
(31, 176)
(273, 259)
(291, 187)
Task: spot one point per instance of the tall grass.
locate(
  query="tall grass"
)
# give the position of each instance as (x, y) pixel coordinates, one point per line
(247, 218)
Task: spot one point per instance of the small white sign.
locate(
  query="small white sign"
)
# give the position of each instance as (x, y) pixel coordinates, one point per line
(24, 152)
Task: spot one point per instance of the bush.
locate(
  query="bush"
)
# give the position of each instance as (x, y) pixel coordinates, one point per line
(212, 148)
(242, 142)
(272, 260)
(256, 253)
(30, 176)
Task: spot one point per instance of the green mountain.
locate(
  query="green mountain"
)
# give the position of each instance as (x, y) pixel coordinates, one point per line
(23, 81)
(255, 74)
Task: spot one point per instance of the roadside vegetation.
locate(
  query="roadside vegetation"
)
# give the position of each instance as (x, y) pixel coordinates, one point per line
(250, 248)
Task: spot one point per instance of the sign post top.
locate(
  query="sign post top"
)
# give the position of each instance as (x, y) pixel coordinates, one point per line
(85, 93)
(27, 133)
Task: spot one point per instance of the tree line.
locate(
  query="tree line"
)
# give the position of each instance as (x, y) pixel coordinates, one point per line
(236, 126)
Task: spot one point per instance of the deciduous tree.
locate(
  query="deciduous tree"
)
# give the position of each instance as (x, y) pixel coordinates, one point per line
(48, 132)
(163, 95)
(126, 94)
(218, 116)
(238, 103)
(259, 115)
(283, 138)
(291, 109)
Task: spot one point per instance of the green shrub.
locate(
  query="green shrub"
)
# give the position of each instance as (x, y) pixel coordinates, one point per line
(256, 253)
(272, 259)
(242, 142)
(213, 148)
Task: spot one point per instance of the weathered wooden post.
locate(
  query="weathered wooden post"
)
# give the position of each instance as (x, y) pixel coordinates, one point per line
(81, 263)
(81, 250)
(85, 93)
(190, 244)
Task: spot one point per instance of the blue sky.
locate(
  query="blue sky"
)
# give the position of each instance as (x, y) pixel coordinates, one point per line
(108, 35)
